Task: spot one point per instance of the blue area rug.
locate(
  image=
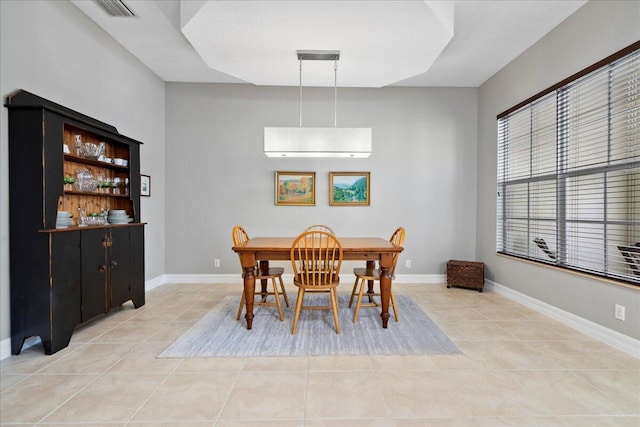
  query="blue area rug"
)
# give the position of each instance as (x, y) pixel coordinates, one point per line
(219, 334)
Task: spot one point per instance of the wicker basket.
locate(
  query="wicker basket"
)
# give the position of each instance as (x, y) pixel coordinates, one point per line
(465, 274)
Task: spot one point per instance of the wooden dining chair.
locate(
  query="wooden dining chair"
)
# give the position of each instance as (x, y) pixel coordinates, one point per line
(363, 275)
(319, 227)
(240, 237)
(631, 255)
(540, 242)
(323, 250)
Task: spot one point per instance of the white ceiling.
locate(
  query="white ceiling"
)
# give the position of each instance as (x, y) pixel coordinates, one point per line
(382, 43)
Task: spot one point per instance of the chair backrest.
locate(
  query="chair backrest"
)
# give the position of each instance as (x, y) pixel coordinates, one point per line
(240, 237)
(319, 249)
(397, 238)
(319, 227)
(631, 255)
(545, 248)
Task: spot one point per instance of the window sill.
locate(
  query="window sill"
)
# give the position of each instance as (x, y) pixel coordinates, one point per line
(573, 272)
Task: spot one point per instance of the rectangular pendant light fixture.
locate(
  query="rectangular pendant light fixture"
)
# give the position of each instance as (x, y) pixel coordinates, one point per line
(318, 141)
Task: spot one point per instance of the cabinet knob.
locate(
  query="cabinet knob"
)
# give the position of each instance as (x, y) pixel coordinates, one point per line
(106, 242)
(102, 268)
(114, 264)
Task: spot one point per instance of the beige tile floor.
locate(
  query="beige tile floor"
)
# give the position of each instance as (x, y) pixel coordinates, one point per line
(519, 368)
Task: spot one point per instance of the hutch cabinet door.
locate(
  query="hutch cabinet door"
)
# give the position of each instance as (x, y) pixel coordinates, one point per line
(136, 241)
(94, 273)
(65, 289)
(119, 265)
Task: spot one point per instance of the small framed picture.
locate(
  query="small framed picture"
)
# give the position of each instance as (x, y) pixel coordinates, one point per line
(295, 188)
(145, 185)
(349, 188)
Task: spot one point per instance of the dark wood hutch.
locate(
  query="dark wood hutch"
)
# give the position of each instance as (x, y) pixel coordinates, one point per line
(64, 275)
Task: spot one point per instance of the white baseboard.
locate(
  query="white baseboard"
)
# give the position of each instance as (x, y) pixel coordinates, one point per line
(5, 346)
(155, 282)
(237, 278)
(421, 278)
(203, 278)
(608, 336)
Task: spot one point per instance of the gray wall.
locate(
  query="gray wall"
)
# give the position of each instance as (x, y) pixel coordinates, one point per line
(423, 170)
(594, 32)
(52, 49)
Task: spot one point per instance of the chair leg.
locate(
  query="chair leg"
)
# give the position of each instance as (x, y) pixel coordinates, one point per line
(298, 308)
(395, 310)
(277, 296)
(334, 308)
(284, 291)
(358, 301)
(241, 305)
(353, 291)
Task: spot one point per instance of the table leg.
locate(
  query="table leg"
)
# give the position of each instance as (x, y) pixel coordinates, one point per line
(249, 294)
(386, 263)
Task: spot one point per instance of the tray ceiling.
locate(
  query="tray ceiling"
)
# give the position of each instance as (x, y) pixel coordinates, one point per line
(381, 43)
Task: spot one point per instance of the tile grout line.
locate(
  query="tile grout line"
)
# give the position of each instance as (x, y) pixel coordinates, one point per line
(226, 400)
(605, 393)
(85, 386)
(168, 375)
(100, 375)
(137, 411)
(306, 394)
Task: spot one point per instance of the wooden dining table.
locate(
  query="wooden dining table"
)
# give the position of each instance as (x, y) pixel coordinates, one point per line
(265, 249)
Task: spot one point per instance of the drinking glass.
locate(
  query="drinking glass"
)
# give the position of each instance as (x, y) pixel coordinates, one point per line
(116, 185)
(100, 183)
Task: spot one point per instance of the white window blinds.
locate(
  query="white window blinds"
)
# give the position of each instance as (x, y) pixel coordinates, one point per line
(569, 172)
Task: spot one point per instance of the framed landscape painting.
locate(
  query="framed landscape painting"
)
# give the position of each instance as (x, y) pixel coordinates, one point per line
(295, 188)
(349, 188)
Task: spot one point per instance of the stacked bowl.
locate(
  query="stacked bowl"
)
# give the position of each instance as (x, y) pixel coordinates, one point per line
(118, 216)
(63, 220)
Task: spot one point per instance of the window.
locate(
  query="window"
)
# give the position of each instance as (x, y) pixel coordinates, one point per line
(569, 172)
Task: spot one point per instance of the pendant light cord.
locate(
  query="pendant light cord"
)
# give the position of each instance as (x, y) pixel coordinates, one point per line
(335, 93)
(300, 102)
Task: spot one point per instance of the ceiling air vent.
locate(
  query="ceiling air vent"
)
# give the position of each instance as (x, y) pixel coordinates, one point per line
(115, 8)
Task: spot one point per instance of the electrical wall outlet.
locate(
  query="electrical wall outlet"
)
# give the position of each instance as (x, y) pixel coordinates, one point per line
(407, 263)
(216, 263)
(620, 312)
